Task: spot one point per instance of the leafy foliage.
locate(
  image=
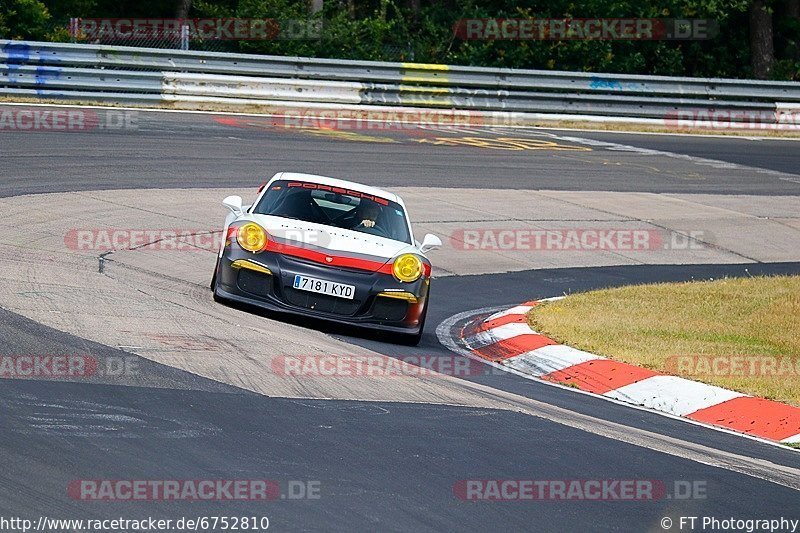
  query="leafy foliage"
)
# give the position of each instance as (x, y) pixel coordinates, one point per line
(390, 30)
(23, 19)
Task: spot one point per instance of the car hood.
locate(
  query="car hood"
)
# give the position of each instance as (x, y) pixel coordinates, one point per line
(337, 242)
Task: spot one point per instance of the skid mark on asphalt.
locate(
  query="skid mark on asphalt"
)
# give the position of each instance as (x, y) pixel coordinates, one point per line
(68, 417)
(344, 135)
(503, 143)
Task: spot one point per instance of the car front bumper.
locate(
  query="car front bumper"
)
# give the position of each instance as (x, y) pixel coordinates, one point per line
(266, 280)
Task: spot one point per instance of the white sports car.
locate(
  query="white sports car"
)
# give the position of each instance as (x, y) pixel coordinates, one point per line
(330, 249)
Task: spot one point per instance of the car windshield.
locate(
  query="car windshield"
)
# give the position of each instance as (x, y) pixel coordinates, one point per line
(337, 207)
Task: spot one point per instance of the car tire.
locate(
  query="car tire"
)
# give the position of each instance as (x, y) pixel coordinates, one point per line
(414, 338)
(217, 297)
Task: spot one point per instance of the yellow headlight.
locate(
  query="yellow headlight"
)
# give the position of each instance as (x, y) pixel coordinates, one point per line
(407, 267)
(251, 237)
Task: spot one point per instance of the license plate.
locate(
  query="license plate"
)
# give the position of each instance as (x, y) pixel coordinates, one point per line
(322, 286)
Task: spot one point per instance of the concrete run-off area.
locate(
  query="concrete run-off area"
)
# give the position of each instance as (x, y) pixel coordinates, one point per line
(83, 265)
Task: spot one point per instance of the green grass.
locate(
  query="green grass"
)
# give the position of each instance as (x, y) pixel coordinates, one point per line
(681, 328)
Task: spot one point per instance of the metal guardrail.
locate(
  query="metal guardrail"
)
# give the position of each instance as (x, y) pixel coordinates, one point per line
(126, 75)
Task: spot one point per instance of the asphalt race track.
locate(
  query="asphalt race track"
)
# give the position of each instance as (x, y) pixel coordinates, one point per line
(388, 453)
(184, 150)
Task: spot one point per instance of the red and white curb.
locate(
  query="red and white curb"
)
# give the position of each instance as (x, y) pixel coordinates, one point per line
(505, 340)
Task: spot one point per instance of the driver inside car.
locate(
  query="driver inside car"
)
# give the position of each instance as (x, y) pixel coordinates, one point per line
(365, 216)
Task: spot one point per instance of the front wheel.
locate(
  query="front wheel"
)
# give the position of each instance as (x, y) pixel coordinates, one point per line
(217, 298)
(413, 338)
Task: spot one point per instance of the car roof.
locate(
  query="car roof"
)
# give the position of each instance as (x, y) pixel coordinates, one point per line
(335, 182)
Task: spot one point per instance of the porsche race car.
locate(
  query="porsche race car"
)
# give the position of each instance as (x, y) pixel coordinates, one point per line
(328, 249)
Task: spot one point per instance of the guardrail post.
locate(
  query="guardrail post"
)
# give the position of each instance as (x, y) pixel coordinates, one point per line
(184, 36)
(74, 24)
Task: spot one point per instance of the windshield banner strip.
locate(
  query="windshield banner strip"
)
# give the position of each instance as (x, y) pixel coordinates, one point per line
(338, 190)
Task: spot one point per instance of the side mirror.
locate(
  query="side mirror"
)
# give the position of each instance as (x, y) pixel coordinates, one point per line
(430, 242)
(234, 203)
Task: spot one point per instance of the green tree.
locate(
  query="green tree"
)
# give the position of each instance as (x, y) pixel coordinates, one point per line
(24, 19)
(756, 37)
(762, 43)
